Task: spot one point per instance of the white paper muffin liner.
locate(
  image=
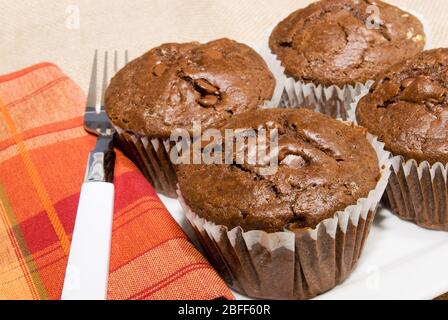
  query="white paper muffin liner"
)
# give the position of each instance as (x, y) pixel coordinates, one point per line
(151, 155)
(293, 264)
(334, 101)
(418, 192)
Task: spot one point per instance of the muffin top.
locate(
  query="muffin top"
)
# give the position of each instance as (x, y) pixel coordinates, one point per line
(174, 84)
(324, 165)
(334, 42)
(407, 107)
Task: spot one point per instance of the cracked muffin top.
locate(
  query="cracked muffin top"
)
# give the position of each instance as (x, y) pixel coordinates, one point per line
(174, 84)
(407, 108)
(324, 165)
(336, 41)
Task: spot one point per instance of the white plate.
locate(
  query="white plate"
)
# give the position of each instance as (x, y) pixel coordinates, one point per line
(400, 260)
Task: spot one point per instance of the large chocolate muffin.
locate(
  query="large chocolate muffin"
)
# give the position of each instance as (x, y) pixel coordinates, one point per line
(334, 42)
(407, 108)
(324, 166)
(174, 84)
(296, 232)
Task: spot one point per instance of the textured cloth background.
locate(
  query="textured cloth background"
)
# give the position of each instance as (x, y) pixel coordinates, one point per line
(44, 30)
(43, 154)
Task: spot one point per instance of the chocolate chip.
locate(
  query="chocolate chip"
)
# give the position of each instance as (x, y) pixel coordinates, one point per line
(204, 86)
(407, 82)
(208, 101)
(423, 89)
(430, 105)
(293, 161)
(159, 69)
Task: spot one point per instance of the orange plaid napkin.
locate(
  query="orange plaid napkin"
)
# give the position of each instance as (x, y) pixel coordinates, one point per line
(43, 154)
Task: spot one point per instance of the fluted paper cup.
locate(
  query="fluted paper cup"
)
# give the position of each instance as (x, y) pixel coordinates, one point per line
(418, 192)
(295, 263)
(151, 155)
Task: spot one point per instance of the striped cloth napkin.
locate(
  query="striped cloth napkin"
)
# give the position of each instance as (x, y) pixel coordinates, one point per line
(43, 154)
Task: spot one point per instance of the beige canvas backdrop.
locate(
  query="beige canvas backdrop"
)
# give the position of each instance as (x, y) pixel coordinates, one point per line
(42, 30)
(33, 31)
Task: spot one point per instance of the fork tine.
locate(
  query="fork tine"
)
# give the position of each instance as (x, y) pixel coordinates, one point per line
(91, 97)
(105, 81)
(126, 57)
(115, 61)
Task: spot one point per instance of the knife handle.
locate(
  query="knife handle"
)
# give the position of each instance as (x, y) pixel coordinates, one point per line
(87, 270)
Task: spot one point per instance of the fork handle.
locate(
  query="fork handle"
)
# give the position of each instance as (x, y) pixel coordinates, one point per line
(87, 270)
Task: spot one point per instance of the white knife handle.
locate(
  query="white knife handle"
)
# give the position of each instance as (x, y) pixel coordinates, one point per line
(87, 271)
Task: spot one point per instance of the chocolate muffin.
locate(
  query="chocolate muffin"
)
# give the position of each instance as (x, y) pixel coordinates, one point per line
(336, 47)
(324, 166)
(283, 224)
(407, 108)
(175, 84)
(330, 41)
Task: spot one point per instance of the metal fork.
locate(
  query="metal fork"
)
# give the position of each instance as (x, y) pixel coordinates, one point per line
(87, 270)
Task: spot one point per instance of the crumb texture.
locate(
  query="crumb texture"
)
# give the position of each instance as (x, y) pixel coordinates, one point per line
(332, 42)
(407, 108)
(175, 84)
(324, 166)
